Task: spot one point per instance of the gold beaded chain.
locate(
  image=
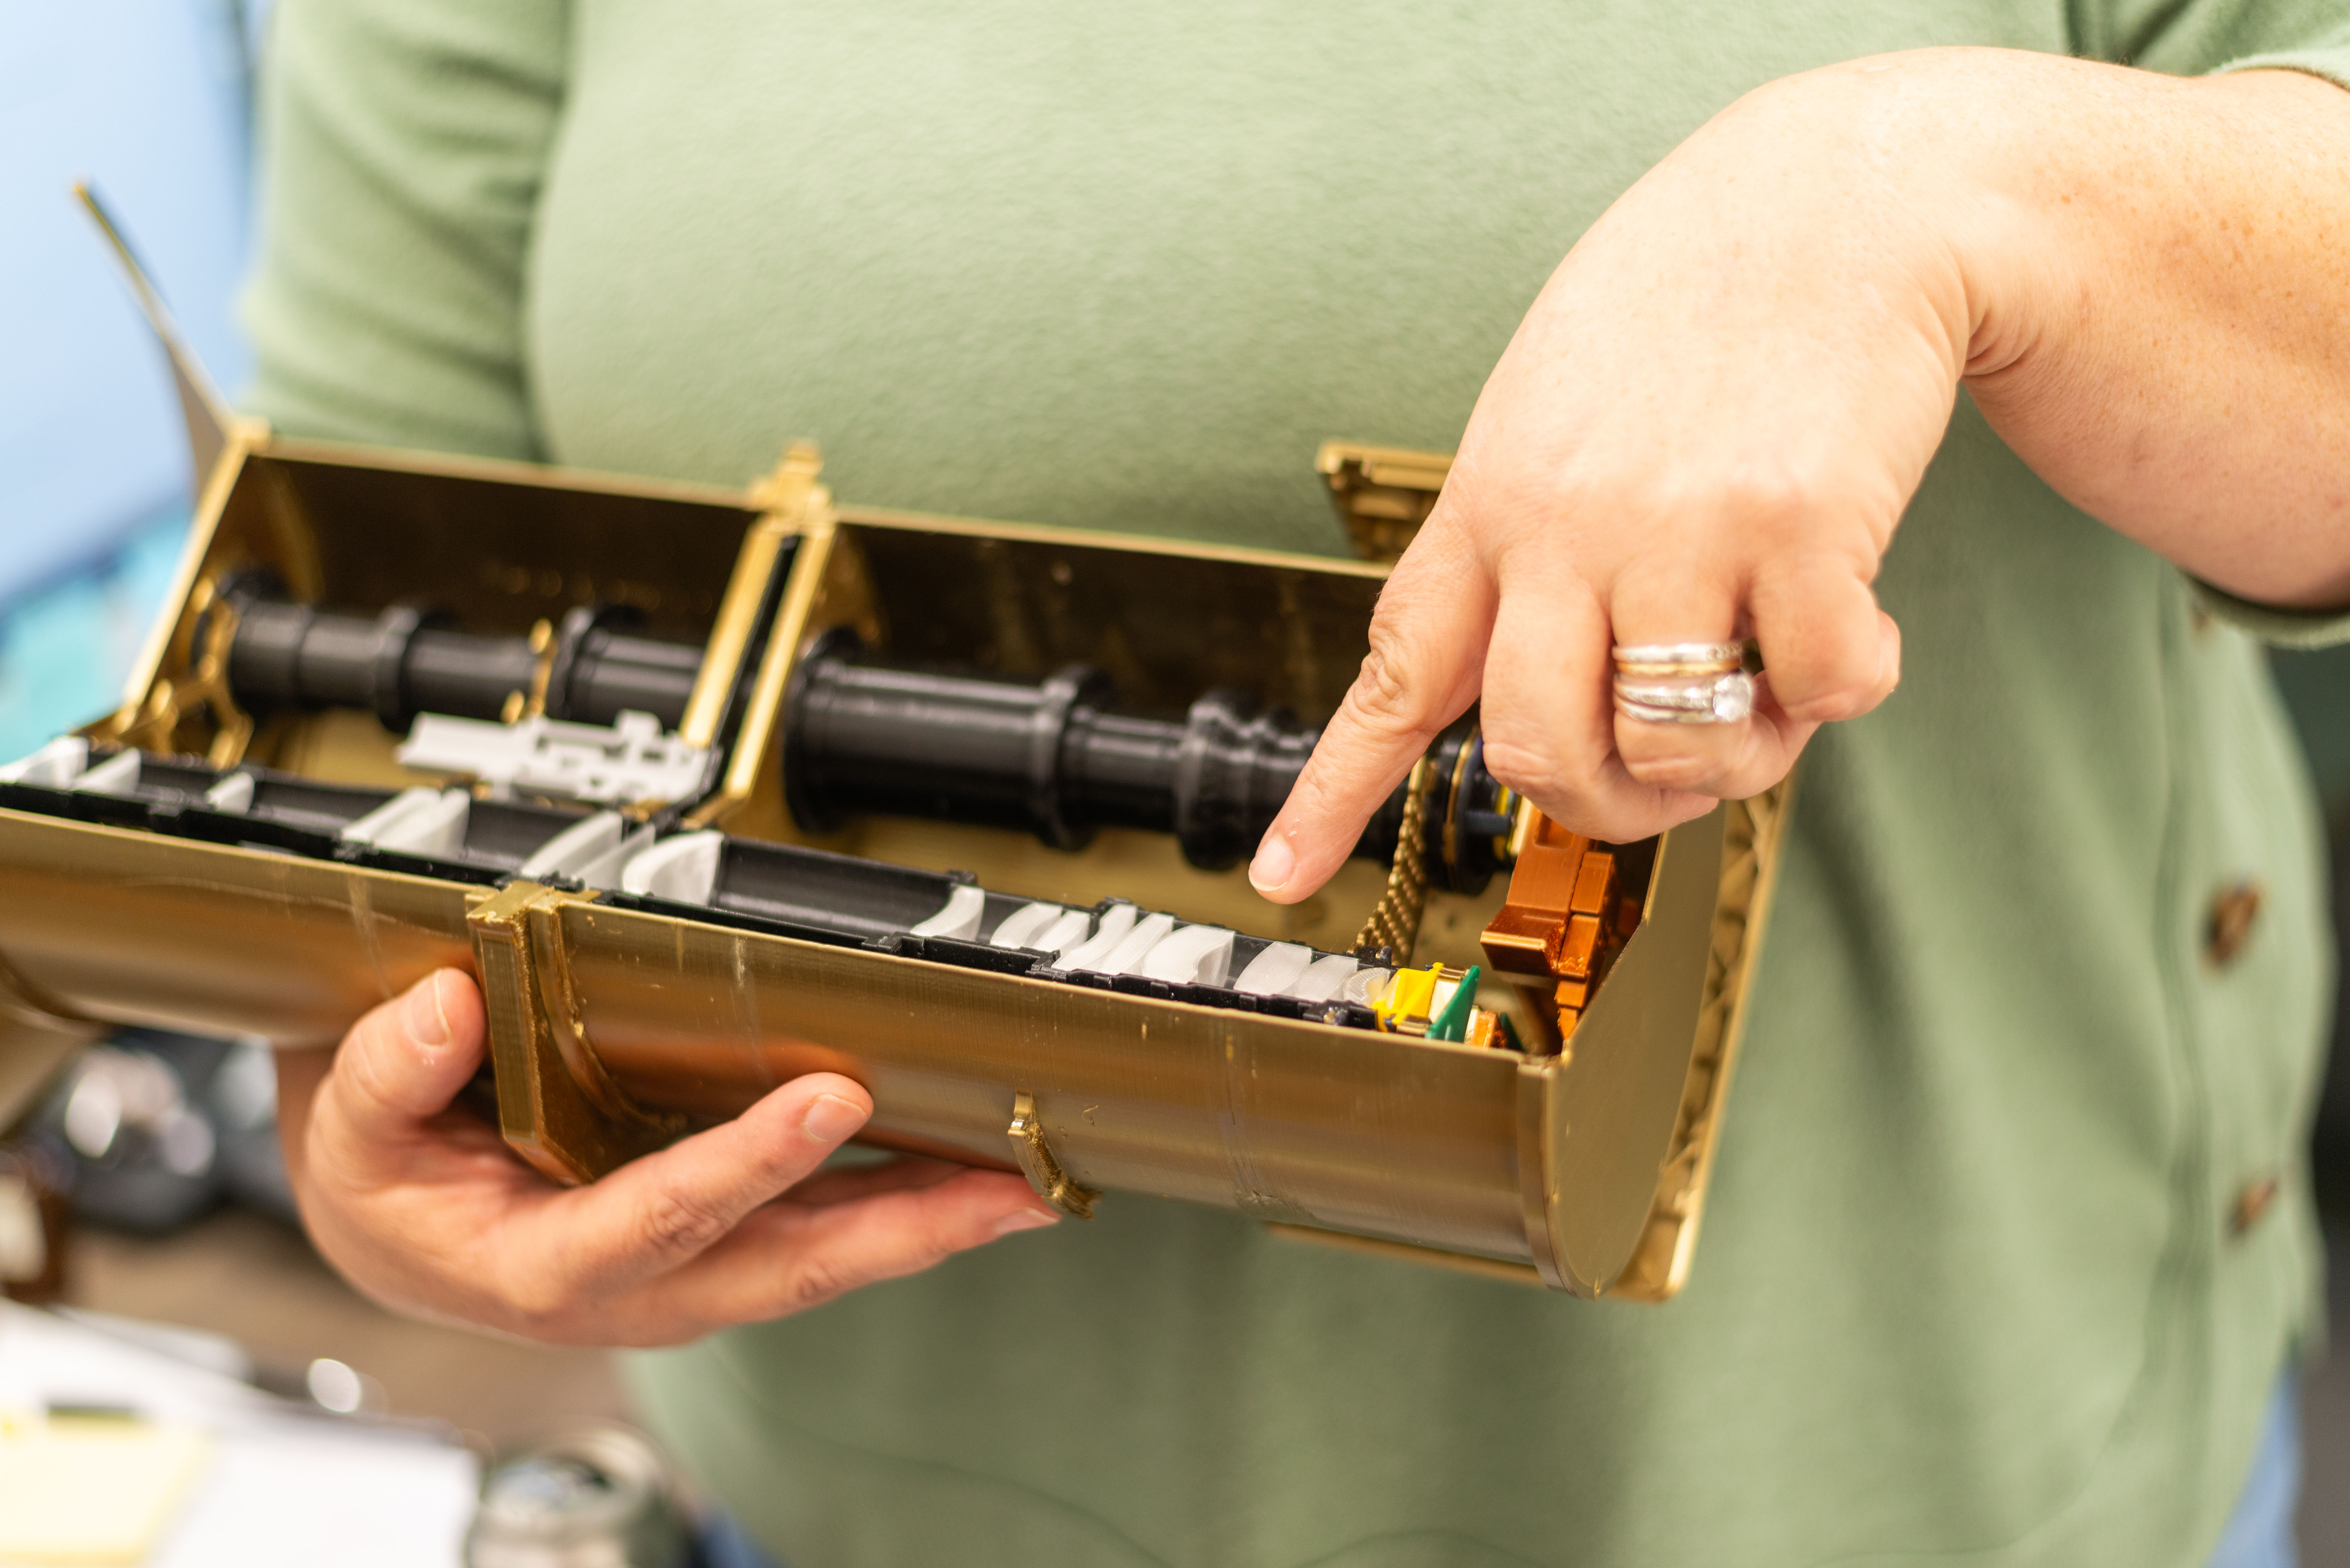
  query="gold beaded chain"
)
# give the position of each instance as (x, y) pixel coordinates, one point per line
(1395, 920)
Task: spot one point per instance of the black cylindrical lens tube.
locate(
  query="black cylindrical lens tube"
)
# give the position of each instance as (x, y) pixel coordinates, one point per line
(983, 749)
(1055, 757)
(401, 664)
(454, 672)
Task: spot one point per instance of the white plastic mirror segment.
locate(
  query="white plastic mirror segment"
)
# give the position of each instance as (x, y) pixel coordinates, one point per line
(54, 766)
(232, 794)
(603, 871)
(1131, 950)
(1366, 986)
(684, 868)
(1066, 934)
(590, 838)
(966, 907)
(1089, 953)
(118, 774)
(1023, 925)
(436, 827)
(364, 830)
(417, 821)
(1441, 996)
(1323, 978)
(1273, 971)
(1196, 955)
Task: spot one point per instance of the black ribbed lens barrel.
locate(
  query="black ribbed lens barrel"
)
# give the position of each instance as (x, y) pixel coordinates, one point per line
(400, 664)
(1054, 756)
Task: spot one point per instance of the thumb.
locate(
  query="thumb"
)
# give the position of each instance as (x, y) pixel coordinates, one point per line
(1427, 638)
(405, 1062)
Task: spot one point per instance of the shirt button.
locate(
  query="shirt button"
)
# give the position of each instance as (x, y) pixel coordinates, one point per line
(2251, 1203)
(2229, 924)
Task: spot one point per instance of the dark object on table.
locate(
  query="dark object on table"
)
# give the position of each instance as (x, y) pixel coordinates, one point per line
(600, 1498)
(160, 1128)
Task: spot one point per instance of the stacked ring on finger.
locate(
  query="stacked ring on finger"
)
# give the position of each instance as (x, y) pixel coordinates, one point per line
(1683, 682)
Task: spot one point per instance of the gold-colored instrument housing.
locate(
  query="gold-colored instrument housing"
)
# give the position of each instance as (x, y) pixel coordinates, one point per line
(614, 1029)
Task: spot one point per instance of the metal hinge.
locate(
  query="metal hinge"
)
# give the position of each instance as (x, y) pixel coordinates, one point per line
(1043, 1172)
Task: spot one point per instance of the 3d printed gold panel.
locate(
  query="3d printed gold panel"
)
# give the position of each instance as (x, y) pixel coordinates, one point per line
(385, 726)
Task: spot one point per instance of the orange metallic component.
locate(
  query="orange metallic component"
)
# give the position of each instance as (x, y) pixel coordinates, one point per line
(1523, 938)
(1565, 919)
(1594, 883)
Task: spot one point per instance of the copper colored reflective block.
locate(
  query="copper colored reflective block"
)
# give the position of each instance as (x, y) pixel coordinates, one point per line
(1549, 868)
(1595, 885)
(1566, 918)
(1524, 937)
(1518, 942)
(1578, 948)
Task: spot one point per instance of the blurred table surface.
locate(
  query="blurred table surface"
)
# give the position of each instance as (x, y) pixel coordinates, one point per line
(272, 1487)
(257, 1281)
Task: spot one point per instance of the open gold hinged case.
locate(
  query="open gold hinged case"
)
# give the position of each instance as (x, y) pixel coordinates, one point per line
(709, 788)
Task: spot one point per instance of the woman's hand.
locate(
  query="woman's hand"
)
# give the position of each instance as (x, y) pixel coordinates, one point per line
(1705, 428)
(1711, 420)
(422, 1206)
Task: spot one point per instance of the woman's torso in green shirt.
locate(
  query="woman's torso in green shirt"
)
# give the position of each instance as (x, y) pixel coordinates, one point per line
(1969, 1290)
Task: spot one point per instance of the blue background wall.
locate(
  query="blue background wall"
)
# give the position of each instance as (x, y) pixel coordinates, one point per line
(149, 99)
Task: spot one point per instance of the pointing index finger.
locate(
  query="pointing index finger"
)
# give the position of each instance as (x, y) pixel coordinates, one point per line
(1428, 638)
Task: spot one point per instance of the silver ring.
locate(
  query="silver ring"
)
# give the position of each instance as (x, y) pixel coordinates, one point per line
(1660, 715)
(1724, 699)
(1726, 654)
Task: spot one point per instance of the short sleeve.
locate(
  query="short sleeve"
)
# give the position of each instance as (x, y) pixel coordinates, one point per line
(403, 143)
(2200, 37)
(2195, 37)
(2325, 54)
(2279, 628)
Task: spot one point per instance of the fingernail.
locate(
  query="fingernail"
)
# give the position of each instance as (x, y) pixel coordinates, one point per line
(831, 1118)
(1273, 863)
(421, 1014)
(1025, 1219)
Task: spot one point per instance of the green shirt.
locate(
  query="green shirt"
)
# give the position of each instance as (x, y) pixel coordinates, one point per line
(1970, 1289)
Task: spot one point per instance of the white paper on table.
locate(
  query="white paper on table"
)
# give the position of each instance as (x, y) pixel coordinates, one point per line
(280, 1490)
(99, 1491)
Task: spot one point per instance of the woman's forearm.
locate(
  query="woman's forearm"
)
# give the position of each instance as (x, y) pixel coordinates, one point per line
(2158, 277)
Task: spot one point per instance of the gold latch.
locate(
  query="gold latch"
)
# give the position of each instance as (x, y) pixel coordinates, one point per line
(1043, 1172)
(1383, 494)
(556, 1107)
